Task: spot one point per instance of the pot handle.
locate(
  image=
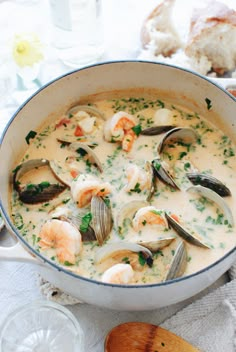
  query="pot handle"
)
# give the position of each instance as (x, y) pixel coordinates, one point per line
(16, 253)
(227, 83)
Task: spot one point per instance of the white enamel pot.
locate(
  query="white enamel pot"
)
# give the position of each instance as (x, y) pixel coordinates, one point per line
(182, 86)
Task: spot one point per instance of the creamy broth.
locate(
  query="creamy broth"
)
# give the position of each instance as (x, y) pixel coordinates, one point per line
(213, 153)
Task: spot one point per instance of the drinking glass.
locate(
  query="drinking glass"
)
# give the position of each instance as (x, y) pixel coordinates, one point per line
(41, 327)
(77, 31)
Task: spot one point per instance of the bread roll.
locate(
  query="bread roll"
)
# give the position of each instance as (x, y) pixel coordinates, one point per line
(213, 35)
(158, 33)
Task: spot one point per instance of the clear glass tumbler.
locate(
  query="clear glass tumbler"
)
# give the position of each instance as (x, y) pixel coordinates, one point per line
(77, 31)
(41, 327)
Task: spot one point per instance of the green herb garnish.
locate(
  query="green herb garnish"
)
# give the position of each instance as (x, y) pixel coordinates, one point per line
(208, 102)
(85, 222)
(141, 259)
(126, 260)
(66, 263)
(137, 129)
(136, 188)
(30, 135)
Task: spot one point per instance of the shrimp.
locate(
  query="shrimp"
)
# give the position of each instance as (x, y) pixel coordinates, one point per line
(118, 274)
(64, 237)
(135, 177)
(149, 216)
(84, 188)
(119, 128)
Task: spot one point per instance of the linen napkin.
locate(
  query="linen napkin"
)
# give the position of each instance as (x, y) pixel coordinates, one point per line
(209, 323)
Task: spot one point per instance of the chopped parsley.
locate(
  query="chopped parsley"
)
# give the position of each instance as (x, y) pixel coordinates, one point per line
(38, 188)
(157, 165)
(141, 259)
(144, 259)
(136, 188)
(208, 102)
(81, 151)
(187, 166)
(30, 135)
(181, 155)
(18, 220)
(126, 260)
(85, 222)
(137, 129)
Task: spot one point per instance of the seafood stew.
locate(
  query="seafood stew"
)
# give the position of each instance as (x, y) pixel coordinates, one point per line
(127, 189)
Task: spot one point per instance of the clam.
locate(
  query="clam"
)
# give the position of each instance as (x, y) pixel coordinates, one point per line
(88, 153)
(178, 134)
(101, 219)
(209, 181)
(87, 232)
(111, 249)
(162, 173)
(190, 237)
(92, 111)
(178, 263)
(151, 177)
(35, 193)
(214, 197)
(60, 173)
(95, 224)
(156, 244)
(155, 130)
(127, 212)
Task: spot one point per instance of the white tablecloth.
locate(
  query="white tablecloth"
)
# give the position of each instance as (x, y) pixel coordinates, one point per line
(19, 281)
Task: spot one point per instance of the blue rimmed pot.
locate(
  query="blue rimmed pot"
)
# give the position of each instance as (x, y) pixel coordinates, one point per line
(183, 87)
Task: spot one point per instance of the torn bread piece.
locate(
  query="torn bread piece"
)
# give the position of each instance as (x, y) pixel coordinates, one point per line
(158, 34)
(212, 36)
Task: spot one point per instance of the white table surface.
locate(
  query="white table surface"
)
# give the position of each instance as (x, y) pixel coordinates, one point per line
(18, 281)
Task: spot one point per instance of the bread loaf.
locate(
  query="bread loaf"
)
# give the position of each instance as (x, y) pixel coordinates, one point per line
(208, 39)
(158, 33)
(213, 35)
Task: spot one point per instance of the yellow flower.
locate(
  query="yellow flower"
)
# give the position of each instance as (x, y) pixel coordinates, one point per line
(27, 50)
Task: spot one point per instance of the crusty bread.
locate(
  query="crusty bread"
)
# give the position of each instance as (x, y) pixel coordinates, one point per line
(208, 38)
(213, 35)
(158, 33)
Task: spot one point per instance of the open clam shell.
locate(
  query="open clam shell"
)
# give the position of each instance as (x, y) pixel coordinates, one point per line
(214, 197)
(162, 173)
(91, 110)
(178, 134)
(87, 152)
(127, 212)
(87, 233)
(210, 182)
(156, 130)
(190, 237)
(101, 219)
(178, 263)
(151, 176)
(60, 174)
(109, 250)
(157, 244)
(35, 193)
